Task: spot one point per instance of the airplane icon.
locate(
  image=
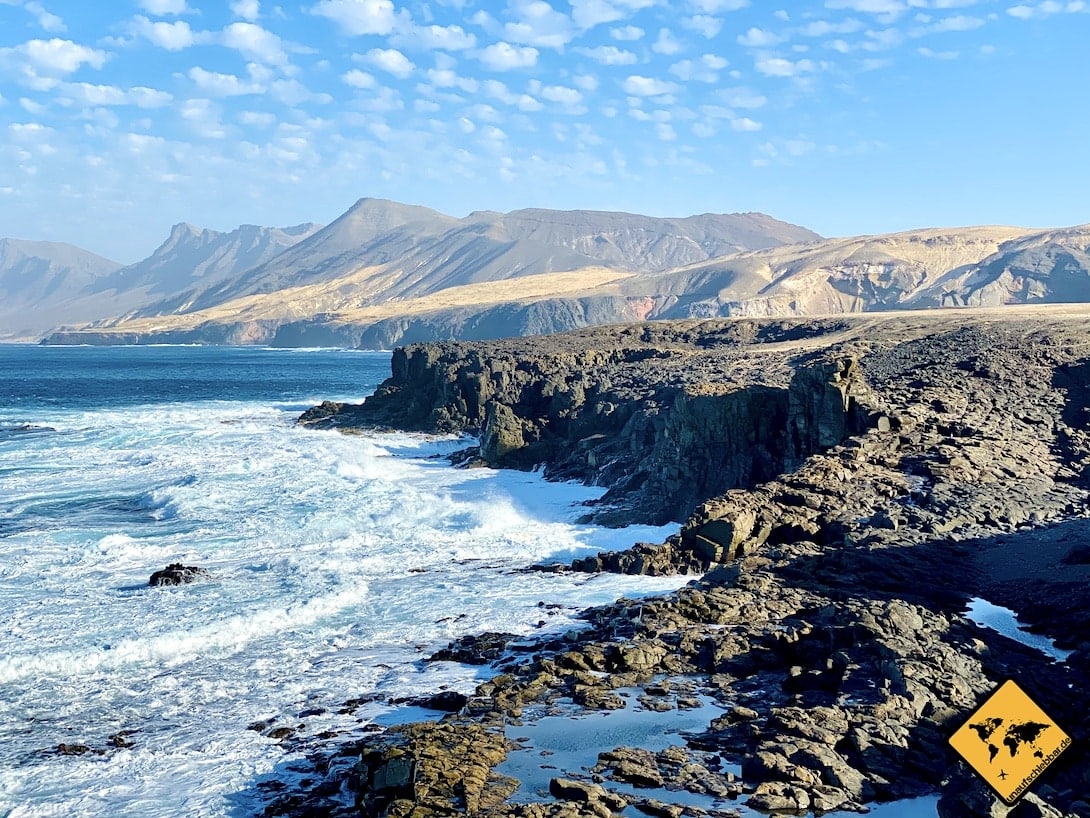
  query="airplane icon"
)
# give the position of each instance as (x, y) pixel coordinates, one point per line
(1002, 774)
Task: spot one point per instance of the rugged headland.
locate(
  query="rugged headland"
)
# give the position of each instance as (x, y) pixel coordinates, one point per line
(845, 488)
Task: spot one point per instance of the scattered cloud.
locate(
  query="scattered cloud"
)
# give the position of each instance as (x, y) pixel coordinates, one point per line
(255, 43)
(505, 57)
(431, 37)
(648, 86)
(215, 84)
(609, 55)
(358, 17)
(175, 36)
(537, 23)
(48, 21)
(627, 33)
(759, 38)
(781, 67)
(246, 9)
(40, 62)
(666, 43)
(503, 90)
(164, 7)
(391, 60)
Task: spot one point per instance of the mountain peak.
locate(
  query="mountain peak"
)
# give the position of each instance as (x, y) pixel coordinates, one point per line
(183, 229)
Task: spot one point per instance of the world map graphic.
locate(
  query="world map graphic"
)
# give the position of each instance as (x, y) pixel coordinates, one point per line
(1016, 736)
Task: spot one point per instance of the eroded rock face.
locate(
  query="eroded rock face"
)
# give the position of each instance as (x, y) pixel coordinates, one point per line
(663, 418)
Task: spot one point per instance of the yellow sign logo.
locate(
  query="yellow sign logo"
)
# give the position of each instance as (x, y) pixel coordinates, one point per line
(1010, 741)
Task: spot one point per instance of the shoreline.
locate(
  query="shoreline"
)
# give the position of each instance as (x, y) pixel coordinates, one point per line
(830, 621)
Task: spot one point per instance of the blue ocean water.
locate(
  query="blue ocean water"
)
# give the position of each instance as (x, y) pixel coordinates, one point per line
(336, 561)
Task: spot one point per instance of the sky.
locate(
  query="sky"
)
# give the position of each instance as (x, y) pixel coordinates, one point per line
(119, 118)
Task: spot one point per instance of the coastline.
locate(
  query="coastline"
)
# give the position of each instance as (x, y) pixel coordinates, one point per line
(926, 464)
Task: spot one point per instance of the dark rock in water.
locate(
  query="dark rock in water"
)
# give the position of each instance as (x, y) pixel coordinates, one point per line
(25, 429)
(121, 740)
(177, 574)
(474, 650)
(447, 701)
(73, 749)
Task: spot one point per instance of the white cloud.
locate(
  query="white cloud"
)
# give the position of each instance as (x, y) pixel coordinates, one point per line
(609, 55)
(665, 132)
(246, 9)
(358, 79)
(358, 17)
(503, 56)
(745, 125)
(87, 94)
(497, 90)
(446, 78)
(174, 36)
(937, 55)
(49, 22)
(562, 94)
(163, 7)
(391, 60)
(1025, 12)
(293, 92)
(868, 6)
(780, 67)
(586, 82)
(716, 6)
(648, 86)
(445, 38)
(743, 98)
(706, 69)
(255, 43)
(259, 119)
(627, 33)
(58, 56)
(222, 85)
(666, 43)
(823, 28)
(538, 23)
(705, 24)
(759, 38)
(958, 23)
(590, 13)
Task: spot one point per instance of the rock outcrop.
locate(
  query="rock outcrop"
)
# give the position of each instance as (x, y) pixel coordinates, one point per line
(662, 417)
(177, 574)
(923, 465)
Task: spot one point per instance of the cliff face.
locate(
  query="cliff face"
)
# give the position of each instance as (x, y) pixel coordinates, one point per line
(925, 463)
(656, 418)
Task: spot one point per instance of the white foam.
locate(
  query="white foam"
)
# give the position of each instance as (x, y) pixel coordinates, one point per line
(337, 563)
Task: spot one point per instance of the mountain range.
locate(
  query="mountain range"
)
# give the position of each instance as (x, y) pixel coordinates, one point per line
(386, 273)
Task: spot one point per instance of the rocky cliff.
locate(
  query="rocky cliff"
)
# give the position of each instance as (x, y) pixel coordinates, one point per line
(922, 464)
(656, 412)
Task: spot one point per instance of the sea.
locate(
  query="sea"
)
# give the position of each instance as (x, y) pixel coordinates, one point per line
(336, 564)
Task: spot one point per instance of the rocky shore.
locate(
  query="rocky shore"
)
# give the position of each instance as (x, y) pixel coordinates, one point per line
(844, 488)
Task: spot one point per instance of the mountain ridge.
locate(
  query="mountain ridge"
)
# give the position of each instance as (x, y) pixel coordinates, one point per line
(385, 272)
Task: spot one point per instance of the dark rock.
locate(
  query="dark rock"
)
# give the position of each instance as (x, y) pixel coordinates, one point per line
(448, 701)
(73, 749)
(474, 649)
(177, 574)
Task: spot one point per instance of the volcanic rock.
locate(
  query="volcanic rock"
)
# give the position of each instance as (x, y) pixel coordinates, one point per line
(177, 574)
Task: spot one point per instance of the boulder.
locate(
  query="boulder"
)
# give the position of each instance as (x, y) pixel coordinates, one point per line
(177, 574)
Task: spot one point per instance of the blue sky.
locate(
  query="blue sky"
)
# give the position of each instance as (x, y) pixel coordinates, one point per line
(118, 119)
